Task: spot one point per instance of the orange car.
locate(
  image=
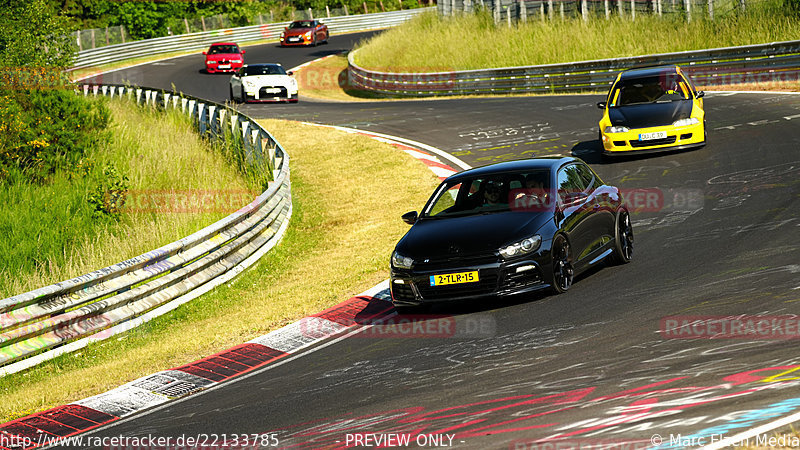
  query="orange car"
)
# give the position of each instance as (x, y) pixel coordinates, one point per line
(304, 32)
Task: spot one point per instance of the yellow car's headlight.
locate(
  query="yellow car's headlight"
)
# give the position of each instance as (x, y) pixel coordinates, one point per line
(617, 129)
(686, 122)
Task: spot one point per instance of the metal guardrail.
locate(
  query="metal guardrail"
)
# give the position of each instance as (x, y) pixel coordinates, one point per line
(254, 33)
(778, 61)
(63, 317)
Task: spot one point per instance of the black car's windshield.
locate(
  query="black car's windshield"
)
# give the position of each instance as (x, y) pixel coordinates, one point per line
(657, 89)
(302, 24)
(527, 191)
(264, 70)
(222, 49)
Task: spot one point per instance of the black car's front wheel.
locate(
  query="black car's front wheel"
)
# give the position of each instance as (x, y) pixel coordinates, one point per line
(563, 272)
(623, 237)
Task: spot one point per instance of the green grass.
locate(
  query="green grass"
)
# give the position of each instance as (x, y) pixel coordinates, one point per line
(348, 193)
(50, 232)
(430, 43)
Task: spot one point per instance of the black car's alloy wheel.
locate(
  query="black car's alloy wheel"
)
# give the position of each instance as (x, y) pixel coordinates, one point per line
(563, 272)
(623, 248)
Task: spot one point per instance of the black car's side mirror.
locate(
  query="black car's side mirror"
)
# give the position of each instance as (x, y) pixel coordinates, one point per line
(410, 217)
(700, 94)
(290, 73)
(601, 105)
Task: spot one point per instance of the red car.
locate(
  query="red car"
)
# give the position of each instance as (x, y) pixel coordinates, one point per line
(224, 57)
(304, 32)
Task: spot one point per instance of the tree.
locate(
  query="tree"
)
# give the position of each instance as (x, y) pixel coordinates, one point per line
(33, 35)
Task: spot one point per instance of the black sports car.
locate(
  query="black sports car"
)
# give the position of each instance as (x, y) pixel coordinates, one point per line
(509, 228)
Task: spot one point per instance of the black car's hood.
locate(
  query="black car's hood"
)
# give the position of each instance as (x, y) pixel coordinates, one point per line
(470, 234)
(650, 114)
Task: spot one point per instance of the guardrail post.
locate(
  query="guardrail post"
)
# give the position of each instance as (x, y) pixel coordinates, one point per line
(496, 11)
(561, 7)
(584, 11)
(184, 104)
(523, 12)
(508, 15)
(633, 10)
(255, 138)
(202, 118)
(621, 8)
(607, 10)
(212, 115)
(711, 9)
(166, 100)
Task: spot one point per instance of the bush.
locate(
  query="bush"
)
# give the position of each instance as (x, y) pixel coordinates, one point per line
(42, 131)
(109, 194)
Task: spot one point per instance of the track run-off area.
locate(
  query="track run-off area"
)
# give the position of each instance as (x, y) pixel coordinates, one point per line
(618, 360)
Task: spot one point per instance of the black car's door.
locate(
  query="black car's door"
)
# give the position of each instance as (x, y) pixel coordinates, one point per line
(600, 220)
(574, 209)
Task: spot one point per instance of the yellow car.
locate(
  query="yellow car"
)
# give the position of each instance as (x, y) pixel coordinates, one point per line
(652, 109)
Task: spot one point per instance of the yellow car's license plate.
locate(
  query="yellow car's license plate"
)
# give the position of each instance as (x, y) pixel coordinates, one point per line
(454, 278)
(653, 135)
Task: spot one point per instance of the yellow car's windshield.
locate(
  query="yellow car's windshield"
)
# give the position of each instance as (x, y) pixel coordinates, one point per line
(658, 89)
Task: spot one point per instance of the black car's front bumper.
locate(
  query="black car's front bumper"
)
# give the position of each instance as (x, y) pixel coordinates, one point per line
(413, 287)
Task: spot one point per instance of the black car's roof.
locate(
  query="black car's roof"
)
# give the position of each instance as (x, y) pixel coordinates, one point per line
(545, 162)
(649, 71)
(263, 65)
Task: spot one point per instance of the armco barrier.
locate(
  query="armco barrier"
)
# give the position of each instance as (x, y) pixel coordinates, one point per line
(63, 317)
(254, 33)
(779, 61)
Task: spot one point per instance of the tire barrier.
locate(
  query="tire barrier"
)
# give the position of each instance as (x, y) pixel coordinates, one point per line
(53, 320)
(779, 61)
(201, 41)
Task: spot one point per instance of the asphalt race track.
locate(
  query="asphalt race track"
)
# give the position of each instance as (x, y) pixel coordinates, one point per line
(718, 235)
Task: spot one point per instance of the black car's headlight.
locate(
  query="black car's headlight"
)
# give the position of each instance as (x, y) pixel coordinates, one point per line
(401, 262)
(522, 247)
(617, 129)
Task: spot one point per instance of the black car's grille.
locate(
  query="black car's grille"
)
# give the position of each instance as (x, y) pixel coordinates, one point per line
(402, 292)
(262, 93)
(522, 279)
(456, 262)
(486, 285)
(665, 141)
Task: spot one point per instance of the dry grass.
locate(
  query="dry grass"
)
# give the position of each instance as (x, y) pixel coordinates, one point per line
(348, 193)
